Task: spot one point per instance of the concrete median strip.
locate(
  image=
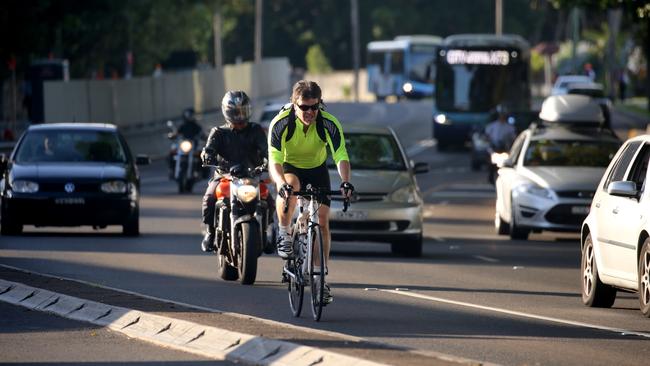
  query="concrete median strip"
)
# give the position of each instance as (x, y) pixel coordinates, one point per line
(183, 335)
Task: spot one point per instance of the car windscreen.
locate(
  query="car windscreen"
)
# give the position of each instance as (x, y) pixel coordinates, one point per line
(589, 153)
(70, 146)
(372, 152)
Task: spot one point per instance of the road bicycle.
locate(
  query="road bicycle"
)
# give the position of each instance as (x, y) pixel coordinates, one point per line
(307, 267)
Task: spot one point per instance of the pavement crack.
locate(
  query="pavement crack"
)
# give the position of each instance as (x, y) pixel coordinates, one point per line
(319, 360)
(197, 337)
(7, 289)
(273, 353)
(107, 313)
(166, 328)
(28, 296)
(51, 303)
(131, 323)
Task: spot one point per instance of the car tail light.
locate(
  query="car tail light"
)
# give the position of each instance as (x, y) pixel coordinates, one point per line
(264, 190)
(223, 189)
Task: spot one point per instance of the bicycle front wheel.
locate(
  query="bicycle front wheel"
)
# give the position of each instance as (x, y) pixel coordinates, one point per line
(317, 277)
(296, 287)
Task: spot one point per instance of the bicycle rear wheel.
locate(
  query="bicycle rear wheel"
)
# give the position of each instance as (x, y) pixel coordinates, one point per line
(317, 278)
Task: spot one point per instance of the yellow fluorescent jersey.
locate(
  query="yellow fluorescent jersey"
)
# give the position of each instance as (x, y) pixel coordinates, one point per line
(288, 143)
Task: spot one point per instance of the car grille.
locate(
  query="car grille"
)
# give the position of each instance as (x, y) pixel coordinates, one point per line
(364, 197)
(576, 194)
(369, 225)
(59, 187)
(561, 214)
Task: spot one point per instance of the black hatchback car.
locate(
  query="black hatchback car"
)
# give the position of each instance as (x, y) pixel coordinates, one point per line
(70, 174)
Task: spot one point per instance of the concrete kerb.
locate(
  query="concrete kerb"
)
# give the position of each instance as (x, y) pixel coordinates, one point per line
(186, 336)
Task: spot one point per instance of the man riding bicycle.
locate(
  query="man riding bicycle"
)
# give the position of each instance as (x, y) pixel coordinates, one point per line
(298, 140)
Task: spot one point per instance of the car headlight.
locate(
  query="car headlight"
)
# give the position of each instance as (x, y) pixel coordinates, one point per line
(186, 146)
(535, 190)
(407, 87)
(114, 186)
(24, 186)
(404, 194)
(246, 193)
(442, 119)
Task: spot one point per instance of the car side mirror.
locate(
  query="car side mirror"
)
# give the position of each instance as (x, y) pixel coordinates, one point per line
(623, 188)
(508, 163)
(142, 159)
(420, 168)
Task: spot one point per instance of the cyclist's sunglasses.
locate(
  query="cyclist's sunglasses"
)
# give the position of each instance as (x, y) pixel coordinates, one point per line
(313, 107)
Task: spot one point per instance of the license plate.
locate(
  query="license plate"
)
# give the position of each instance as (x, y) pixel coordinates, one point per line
(69, 201)
(352, 215)
(580, 210)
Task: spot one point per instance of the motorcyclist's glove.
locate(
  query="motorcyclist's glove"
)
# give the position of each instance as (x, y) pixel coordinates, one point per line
(207, 156)
(347, 189)
(285, 190)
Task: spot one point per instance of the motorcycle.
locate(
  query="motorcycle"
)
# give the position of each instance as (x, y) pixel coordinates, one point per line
(485, 152)
(185, 160)
(242, 222)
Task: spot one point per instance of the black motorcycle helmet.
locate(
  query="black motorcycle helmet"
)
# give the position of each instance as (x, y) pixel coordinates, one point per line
(188, 114)
(236, 107)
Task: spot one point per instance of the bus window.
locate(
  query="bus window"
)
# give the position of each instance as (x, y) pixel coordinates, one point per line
(377, 59)
(397, 62)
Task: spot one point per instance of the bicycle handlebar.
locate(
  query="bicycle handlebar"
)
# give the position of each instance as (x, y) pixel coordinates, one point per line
(317, 193)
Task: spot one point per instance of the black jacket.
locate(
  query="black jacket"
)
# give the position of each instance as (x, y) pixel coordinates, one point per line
(190, 129)
(247, 146)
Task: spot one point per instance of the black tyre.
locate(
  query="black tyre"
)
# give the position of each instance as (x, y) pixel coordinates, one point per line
(644, 279)
(8, 226)
(517, 232)
(181, 184)
(248, 236)
(271, 238)
(189, 185)
(317, 278)
(594, 293)
(501, 227)
(226, 271)
(407, 247)
(296, 288)
(132, 225)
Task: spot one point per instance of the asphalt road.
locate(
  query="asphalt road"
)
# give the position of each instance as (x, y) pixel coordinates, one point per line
(473, 294)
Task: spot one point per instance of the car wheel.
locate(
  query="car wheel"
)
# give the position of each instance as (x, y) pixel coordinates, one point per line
(644, 279)
(594, 293)
(501, 227)
(408, 247)
(9, 227)
(516, 232)
(132, 226)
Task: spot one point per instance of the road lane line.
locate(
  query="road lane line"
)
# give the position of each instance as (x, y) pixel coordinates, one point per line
(487, 259)
(518, 313)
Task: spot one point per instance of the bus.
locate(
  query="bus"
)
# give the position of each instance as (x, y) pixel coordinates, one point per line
(474, 74)
(402, 67)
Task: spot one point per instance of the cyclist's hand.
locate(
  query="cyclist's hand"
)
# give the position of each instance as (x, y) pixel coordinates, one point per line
(285, 190)
(347, 189)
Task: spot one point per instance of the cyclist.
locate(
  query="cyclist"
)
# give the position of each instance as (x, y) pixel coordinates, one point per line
(238, 141)
(298, 140)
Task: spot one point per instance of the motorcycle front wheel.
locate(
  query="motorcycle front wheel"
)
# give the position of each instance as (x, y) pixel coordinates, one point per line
(248, 236)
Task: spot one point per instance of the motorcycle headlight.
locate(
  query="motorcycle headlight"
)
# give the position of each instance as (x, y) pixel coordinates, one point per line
(24, 186)
(246, 193)
(407, 87)
(186, 146)
(404, 194)
(114, 186)
(442, 119)
(535, 190)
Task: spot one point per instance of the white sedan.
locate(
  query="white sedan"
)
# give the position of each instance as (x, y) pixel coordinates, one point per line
(615, 238)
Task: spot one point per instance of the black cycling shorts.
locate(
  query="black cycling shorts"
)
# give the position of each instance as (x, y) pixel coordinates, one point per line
(317, 177)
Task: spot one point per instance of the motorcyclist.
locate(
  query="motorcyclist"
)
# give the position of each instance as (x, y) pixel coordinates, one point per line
(501, 134)
(238, 141)
(189, 129)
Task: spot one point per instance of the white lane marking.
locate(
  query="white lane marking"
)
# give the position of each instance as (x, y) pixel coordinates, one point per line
(437, 238)
(487, 259)
(519, 313)
(462, 194)
(419, 147)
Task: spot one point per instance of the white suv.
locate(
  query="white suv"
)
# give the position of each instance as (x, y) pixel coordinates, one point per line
(615, 238)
